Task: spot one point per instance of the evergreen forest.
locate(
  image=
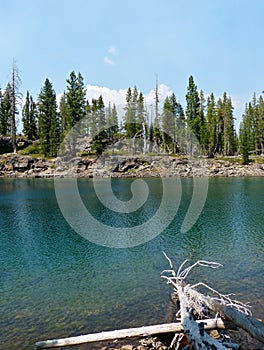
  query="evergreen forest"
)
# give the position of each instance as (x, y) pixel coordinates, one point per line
(211, 120)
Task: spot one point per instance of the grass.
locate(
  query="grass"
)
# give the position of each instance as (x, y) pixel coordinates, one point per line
(229, 159)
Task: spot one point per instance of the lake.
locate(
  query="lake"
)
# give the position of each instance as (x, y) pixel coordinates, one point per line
(55, 283)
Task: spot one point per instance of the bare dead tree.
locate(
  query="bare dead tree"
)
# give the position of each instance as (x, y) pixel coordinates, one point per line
(15, 101)
(192, 301)
(144, 137)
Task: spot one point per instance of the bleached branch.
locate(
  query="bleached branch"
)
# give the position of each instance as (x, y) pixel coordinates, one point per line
(223, 304)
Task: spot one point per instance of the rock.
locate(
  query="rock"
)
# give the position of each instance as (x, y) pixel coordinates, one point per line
(23, 164)
(14, 165)
(61, 169)
(5, 145)
(127, 347)
(41, 164)
(8, 166)
(76, 161)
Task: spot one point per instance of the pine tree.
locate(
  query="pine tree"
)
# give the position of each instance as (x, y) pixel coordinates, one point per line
(220, 127)
(193, 108)
(73, 110)
(226, 135)
(29, 116)
(98, 125)
(5, 111)
(48, 122)
(87, 119)
(101, 115)
(130, 115)
(75, 100)
(63, 113)
(244, 138)
(231, 136)
(172, 123)
(93, 118)
(248, 127)
(111, 121)
(179, 124)
(260, 124)
(140, 112)
(203, 131)
(255, 123)
(211, 125)
(168, 125)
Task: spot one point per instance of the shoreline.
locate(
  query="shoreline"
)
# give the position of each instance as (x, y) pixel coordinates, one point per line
(138, 166)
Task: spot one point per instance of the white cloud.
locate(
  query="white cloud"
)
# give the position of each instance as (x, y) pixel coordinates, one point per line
(108, 61)
(117, 97)
(163, 91)
(112, 50)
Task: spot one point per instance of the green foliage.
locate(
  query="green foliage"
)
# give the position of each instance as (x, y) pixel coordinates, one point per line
(251, 136)
(135, 112)
(48, 121)
(111, 121)
(63, 113)
(226, 135)
(135, 124)
(98, 125)
(211, 121)
(129, 118)
(193, 108)
(29, 118)
(172, 124)
(244, 149)
(73, 103)
(211, 126)
(32, 150)
(72, 110)
(5, 110)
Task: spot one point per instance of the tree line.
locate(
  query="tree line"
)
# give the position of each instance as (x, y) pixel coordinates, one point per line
(156, 129)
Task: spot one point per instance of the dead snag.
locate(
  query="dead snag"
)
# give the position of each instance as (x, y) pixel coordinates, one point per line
(192, 301)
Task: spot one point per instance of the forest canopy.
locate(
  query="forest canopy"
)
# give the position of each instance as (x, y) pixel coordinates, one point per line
(211, 120)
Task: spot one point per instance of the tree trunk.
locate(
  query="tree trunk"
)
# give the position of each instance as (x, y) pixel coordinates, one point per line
(209, 324)
(249, 323)
(194, 331)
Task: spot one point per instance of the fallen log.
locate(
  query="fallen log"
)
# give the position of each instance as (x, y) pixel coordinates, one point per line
(191, 299)
(176, 327)
(194, 331)
(247, 322)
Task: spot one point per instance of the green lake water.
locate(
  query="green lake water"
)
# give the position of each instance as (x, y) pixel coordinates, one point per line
(54, 283)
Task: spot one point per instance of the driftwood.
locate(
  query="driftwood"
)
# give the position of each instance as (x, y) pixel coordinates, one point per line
(245, 321)
(192, 300)
(194, 331)
(176, 327)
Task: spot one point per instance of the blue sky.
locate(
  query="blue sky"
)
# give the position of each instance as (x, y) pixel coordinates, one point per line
(120, 43)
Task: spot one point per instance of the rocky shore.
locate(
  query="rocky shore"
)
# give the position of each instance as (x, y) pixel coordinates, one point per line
(17, 166)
